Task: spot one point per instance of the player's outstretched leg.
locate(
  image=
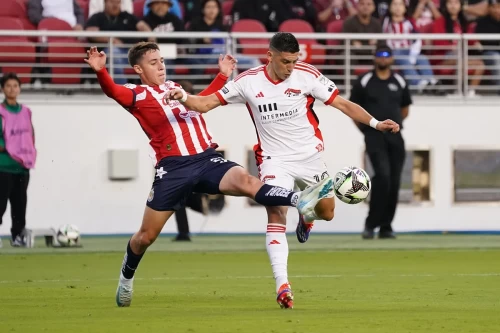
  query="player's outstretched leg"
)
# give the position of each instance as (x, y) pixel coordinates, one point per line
(152, 224)
(324, 210)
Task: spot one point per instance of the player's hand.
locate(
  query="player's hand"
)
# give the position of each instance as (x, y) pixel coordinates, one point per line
(388, 126)
(96, 59)
(175, 94)
(227, 63)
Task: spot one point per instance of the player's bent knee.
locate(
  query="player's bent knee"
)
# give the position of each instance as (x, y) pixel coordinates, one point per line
(147, 238)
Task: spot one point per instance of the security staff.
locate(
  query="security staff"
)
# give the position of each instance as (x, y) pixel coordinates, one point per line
(385, 95)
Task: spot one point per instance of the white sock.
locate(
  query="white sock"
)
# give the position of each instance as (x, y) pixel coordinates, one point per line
(277, 249)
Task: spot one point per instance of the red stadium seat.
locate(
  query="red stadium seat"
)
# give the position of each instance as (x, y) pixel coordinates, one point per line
(11, 23)
(18, 60)
(62, 51)
(335, 27)
(139, 8)
(13, 8)
(227, 7)
(251, 46)
(311, 50)
(84, 5)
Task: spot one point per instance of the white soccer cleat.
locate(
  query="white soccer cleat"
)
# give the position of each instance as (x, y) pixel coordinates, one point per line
(124, 291)
(310, 196)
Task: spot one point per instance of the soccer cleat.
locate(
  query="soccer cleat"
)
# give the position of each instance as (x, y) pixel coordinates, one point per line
(310, 196)
(124, 291)
(303, 229)
(18, 241)
(285, 296)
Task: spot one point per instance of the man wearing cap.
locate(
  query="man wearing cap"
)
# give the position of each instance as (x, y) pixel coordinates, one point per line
(384, 94)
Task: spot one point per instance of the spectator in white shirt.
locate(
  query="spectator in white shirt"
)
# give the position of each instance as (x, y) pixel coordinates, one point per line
(96, 6)
(64, 10)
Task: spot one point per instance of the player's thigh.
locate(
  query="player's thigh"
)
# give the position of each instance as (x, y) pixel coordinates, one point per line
(275, 174)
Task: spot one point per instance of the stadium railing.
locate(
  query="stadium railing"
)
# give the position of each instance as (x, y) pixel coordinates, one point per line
(54, 59)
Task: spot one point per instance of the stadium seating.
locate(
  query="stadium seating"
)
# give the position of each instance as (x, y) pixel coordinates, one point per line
(20, 58)
(84, 5)
(313, 52)
(16, 9)
(252, 46)
(139, 8)
(62, 51)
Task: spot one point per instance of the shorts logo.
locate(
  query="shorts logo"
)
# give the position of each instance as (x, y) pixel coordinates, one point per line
(218, 160)
(160, 173)
(151, 195)
(293, 92)
(317, 178)
(320, 147)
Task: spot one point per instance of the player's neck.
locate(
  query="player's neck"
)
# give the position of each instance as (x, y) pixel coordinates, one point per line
(271, 74)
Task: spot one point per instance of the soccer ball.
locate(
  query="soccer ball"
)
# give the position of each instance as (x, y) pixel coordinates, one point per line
(352, 185)
(68, 235)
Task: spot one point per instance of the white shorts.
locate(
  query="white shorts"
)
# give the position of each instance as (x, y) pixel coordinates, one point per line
(292, 175)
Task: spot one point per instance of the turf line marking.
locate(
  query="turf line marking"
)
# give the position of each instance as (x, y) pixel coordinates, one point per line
(258, 277)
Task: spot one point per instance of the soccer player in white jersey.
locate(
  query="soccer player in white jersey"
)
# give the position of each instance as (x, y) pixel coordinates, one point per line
(280, 97)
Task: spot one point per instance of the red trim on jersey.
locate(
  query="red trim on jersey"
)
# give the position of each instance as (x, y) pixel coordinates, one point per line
(197, 127)
(311, 67)
(271, 80)
(221, 99)
(256, 148)
(305, 69)
(215, 85)
(124, 96)
(313, 118)
(249, 72)
(330, 100)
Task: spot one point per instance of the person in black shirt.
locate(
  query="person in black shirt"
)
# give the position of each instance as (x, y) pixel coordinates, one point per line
(491, 25)
(113, 19)
(384, 94)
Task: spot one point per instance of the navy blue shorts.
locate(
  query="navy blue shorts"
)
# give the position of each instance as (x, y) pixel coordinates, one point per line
(178, 176)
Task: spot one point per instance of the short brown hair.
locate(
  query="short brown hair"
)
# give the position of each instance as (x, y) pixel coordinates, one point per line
(139, 50)
(9, 76)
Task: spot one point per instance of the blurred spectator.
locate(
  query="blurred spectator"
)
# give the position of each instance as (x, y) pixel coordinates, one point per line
(334, 10)
(424, 11)
(192, 9)
(113, 19)
(476, 8)
(270, 12)
(210, 19)
(381, 8)
(304, 10)
(453, 21)
(363, 22)
(415, 66)
(96, 6)
(64, 10)
(385, 95)
(491, 25)
(17, 156)
(175, 8)
(161, 20)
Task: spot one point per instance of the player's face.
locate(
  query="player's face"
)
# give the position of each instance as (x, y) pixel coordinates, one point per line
(282, 63)
(151, 68)
(11, 89)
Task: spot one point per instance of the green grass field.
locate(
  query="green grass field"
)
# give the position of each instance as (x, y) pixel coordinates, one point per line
(417, 283)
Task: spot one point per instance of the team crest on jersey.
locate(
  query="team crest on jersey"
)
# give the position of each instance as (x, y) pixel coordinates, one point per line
(293, 92)
(184, 114)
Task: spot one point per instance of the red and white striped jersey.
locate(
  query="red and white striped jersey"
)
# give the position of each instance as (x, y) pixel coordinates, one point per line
(172, 129)
(398, 28)
(282, 112)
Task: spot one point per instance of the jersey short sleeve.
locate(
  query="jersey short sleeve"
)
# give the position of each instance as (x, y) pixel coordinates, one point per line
(231, 93)
(324, 89)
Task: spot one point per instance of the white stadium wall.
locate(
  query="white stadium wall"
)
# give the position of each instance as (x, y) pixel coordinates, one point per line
(73, 135)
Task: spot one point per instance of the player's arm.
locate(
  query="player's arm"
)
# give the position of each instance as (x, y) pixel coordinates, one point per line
(360, 115)
(227, 64)
(231, 93)
(121, 94)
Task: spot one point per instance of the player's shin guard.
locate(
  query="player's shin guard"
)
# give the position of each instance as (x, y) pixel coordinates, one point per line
(277, 249)
(130, 262)
(276, 196)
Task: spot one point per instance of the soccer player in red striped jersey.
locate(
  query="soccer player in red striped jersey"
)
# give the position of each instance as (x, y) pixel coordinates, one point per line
(185, 157)
(280, 97)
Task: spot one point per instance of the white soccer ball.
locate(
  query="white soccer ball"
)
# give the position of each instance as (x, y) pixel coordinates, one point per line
(352, 185)
(68, 235)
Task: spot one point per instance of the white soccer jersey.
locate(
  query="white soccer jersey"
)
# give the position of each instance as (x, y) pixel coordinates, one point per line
(282, 112)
